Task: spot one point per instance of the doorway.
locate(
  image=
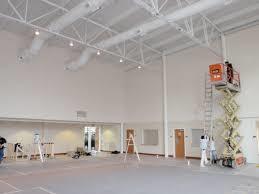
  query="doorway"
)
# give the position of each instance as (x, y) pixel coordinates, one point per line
(91, 138)
(131, 147)
(179, 143)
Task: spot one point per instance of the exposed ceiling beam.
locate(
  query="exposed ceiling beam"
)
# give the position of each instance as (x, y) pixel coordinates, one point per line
(69, 37)
(189, 25)
(3, 24)
(114, 21)
(141, 30)
(86, 7)
(249, 22)
(87, 19)
(167, 29)
(233, 26)
(217, 22)
(240, 25)
(206, 18)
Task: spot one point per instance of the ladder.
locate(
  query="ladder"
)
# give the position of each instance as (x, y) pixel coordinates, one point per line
(208, 107)
(131, 141)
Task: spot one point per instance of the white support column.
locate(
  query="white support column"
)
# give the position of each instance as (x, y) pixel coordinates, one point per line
(121, 137)
(100, 138)
(89, 146)
(165, 113)
(224, 48)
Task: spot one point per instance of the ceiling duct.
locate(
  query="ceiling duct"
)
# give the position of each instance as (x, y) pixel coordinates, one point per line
(82, 9)
(195, 8)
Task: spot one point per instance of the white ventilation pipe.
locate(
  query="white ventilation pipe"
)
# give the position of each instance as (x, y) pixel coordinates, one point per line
(86, 7)
(195, 8)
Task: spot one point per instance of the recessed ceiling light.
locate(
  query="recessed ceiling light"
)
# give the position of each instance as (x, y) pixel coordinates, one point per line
(98, 52)
(37, 32)
(139, 67)
(71, 43)
(121, 60)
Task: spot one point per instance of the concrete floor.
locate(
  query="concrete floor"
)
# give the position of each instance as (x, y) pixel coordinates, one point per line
(109, 175)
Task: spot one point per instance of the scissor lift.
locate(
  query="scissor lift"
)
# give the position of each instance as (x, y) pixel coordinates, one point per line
(227, 81)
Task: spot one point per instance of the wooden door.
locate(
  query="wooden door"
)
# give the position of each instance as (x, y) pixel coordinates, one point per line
(179, 143)
(131, 147)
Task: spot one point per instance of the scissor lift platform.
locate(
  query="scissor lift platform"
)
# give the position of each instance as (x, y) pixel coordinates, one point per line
(227, 81)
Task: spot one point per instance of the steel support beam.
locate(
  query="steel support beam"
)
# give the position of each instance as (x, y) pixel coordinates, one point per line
(217, 22)
(165, 109)
(83, 8)
(141, 30)
(70, 39)
(187, 33)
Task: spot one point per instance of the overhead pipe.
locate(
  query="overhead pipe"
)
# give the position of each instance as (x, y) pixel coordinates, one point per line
(86, 7)
(195, 8)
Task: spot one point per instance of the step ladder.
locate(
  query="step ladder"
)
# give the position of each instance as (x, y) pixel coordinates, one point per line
(208, 107)
(131, 141)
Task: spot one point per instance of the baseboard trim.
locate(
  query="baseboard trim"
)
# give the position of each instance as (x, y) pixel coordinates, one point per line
(149, 154)
(191, 157)
(106, 151)
(161, 155)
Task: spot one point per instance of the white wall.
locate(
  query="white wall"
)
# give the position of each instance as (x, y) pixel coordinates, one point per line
(138, 130)
(66, 137)
(185, 80)
(143, 106)
(243, 49)
(186, 77)
(143, 95)
(249, 143)
(42, 89)
(110, 138)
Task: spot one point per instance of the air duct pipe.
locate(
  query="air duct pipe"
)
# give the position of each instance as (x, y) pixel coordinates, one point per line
(195, 8)
(86, 7)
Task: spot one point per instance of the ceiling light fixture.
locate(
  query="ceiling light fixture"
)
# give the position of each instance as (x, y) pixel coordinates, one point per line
(121, 60)
(37, 32)
(98, 52)
(139, 67)
(71, 44)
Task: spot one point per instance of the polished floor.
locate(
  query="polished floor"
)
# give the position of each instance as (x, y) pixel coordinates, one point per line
(110, 175)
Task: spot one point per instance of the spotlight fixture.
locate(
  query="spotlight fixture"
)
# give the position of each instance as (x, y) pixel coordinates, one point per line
(37, 32)
(98, 52)
(121, 60)
(139, 67)
(180, 29)
(71, 44)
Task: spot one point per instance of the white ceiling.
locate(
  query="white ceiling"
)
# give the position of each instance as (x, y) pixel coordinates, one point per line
(122, 15)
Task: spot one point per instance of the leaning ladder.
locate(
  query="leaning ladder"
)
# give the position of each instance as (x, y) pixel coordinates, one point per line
(208, 107)
(131, 139)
